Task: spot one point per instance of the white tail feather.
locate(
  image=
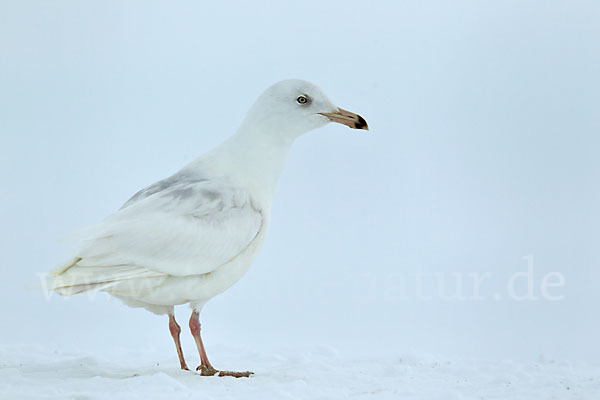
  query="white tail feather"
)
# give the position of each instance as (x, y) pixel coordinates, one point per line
(69, 278)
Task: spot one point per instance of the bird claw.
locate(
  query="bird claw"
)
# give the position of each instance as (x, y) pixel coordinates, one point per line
(210, 371)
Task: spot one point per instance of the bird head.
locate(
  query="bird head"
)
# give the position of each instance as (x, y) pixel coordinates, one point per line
(293, 107)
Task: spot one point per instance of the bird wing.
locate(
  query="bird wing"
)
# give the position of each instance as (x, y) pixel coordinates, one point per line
(179, 228)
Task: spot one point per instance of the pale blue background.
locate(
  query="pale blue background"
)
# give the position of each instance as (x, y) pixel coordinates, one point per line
(483, 149)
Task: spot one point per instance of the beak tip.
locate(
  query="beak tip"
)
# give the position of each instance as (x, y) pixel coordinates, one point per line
(361, 124)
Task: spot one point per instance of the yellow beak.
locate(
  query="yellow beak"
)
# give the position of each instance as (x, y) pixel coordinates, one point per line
(347, 118)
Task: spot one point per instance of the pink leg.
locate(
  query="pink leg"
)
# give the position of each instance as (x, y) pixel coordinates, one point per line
(175, 331)
(205, 368)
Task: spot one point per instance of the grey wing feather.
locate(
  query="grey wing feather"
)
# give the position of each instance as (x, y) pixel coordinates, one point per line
(162, 185)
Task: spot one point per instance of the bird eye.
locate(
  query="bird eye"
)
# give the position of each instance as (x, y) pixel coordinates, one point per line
(302, 100)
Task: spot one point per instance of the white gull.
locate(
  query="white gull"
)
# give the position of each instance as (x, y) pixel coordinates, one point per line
(191, 236)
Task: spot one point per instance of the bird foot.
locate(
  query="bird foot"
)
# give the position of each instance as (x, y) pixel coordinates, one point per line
(206, 371)
(235, 374)
(210, 371)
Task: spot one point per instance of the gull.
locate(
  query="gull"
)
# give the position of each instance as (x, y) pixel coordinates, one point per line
(191, 236)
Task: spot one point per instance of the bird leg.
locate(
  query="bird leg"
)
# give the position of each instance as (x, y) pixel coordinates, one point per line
(175, 331)
(205, 368)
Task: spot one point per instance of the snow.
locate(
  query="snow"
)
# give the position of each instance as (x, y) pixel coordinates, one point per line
(317, 372)
(483, 155)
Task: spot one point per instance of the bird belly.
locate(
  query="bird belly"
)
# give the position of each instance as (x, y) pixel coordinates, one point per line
(194, 289)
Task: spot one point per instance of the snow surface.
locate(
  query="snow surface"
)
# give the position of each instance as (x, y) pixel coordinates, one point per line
(307, 373)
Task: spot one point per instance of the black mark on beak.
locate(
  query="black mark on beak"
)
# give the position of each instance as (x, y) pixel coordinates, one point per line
(361, 123)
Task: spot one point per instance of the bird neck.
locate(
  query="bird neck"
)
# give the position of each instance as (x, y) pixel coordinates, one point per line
(253, 159)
